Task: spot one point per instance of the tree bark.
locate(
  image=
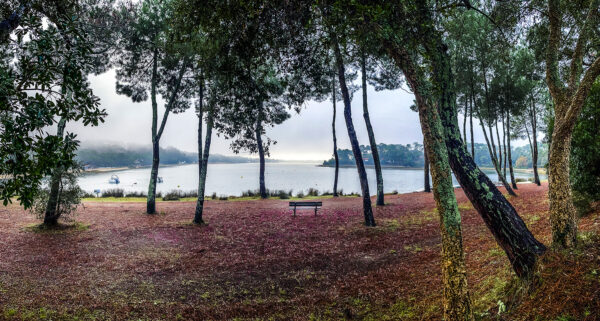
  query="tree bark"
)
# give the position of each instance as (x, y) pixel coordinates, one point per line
(360, 165)
(456, 301)
(335, 152)
(510, 166)
(427, 187)
(261, 156)
(372, 142)
(52, 213)
(562, 210)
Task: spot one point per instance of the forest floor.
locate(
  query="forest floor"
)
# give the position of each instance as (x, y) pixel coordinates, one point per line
(254, 261)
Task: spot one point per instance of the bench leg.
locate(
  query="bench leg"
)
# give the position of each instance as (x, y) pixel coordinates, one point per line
(315, 211)
(294, 211)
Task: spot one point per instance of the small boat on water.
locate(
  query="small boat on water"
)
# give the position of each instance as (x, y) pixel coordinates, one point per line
(159, 179)
(114, 179)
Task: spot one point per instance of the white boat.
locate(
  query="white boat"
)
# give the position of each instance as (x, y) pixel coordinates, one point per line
(114, 179)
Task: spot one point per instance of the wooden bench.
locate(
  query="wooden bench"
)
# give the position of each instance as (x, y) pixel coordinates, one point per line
(316, 205)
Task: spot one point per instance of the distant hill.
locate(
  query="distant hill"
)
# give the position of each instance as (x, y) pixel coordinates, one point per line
(119, 156)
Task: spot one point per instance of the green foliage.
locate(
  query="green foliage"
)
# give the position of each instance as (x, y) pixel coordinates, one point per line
(585, 153)
(69, 197)
(43, 77)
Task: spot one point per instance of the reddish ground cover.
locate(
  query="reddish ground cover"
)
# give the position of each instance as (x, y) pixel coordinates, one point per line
(253, 261)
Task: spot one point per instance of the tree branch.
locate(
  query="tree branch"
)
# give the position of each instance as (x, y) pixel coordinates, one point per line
(552, 77)
(577, 59)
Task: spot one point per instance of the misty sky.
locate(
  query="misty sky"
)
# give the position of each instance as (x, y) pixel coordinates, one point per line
(305, 136)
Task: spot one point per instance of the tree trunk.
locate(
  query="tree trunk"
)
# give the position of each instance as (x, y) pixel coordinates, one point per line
(372, 142)
(534, 154)
(471, 127)
(510, 166)
(261, 156)
(335, 152)
(562, 210)
(427, 187)
(495, 161)
(203, 167)
(456, 301)
(360, 165)
(52, 213)
(151, 200)
(500, 152)
(465, 122)
(499, 215)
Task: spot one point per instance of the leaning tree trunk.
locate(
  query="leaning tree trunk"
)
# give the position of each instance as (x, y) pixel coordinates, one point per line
(335, 152)
(198, 219)
(261, 156)
(427, 187)
(510, 166)
(360, 165)
(499, 215)
(372, 142)
(52, 213)
(456, 301)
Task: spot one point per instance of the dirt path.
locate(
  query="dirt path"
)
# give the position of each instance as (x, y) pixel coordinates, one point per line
(252, 261)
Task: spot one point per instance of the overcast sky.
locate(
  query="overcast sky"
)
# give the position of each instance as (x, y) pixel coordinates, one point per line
(305, 136)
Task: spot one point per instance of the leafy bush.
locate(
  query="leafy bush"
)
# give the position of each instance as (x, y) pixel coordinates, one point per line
(114, 192)
(69, 197)
(520, 180)
(172, 196)
(135, 194)
(223, 198)
(214, 196)
(585, 153)
(85, 194)
(300, 194)
(313, 192)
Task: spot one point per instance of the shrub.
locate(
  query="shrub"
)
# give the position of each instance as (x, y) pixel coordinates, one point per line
(520, 180)
(394, 192)
(135, 194)
(172, 196)
(223, 198)
(214, 196)
(300, 195)
(69, 197)
(113, 192)
(85, 194)
(283, 195)
(313, 192)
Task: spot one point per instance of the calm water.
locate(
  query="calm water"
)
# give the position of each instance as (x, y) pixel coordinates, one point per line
(232, 179)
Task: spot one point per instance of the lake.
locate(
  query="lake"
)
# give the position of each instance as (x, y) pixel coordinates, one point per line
(233, 179)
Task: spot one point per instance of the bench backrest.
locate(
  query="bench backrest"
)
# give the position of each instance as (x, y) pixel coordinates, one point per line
(306, 203)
